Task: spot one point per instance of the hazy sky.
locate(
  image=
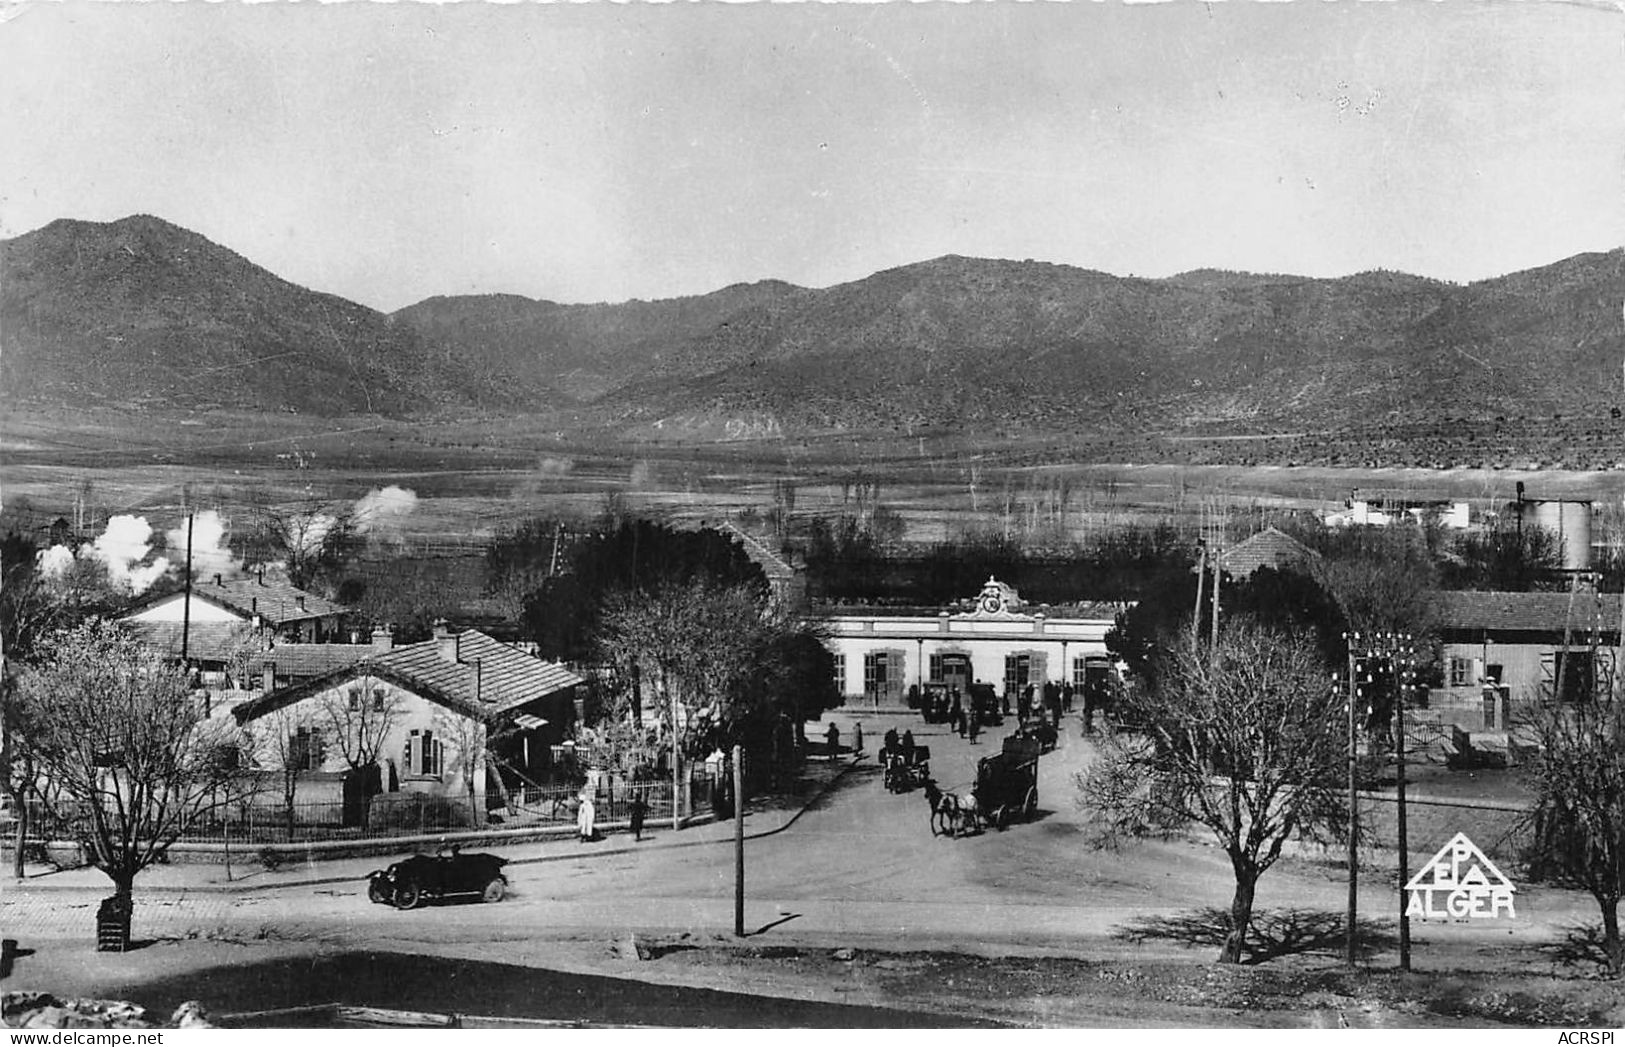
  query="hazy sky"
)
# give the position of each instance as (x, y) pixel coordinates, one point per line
(602, 152)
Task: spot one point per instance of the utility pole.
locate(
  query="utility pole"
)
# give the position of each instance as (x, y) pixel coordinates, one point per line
(1201, 577)
(1213, 644)
(739, 843)
(186, 603)
(1404, 681)
(1350, 952)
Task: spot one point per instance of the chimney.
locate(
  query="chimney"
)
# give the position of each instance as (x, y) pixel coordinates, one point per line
(450, 646)
(262, 576)
(299, 601)
(268, 677)
(253, 605)
(440, 627)
(383, 639)
(219, 581)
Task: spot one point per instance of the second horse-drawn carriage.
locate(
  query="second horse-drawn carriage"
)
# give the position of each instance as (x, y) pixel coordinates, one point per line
(906, 768)
(1007, 784)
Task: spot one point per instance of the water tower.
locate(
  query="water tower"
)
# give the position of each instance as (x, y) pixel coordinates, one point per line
(1567, 519)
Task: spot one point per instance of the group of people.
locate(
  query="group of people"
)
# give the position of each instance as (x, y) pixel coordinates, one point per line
(1051, 701)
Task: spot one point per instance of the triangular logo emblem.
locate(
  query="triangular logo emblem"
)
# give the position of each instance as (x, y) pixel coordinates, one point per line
(1460, 882)
(1459, 863)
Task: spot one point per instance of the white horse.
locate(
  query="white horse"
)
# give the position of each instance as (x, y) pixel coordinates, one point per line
(952, 813)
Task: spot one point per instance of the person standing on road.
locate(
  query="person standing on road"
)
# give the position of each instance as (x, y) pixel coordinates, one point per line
(975, 725)
(832, 738)
(857, 738)
(584, 817)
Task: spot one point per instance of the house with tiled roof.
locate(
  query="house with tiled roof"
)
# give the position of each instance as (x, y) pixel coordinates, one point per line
(269, 605)
(1502, 651)
(452, 719)
(1268, 548)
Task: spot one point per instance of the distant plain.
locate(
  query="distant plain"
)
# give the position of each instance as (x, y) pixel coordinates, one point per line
(475, 475)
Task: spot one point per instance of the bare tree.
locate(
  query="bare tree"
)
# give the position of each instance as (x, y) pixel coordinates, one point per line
(311, 540)
(284, 738)
(468, 739)
(1579, 815)
(131, 760)
(359, 718)
(1245, 743)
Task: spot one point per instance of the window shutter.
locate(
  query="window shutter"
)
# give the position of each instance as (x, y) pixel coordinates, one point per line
(298, 750)
(896, 671)
(318, 747)
(410, 760)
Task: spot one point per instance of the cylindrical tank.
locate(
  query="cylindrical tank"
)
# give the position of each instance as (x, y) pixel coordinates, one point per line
(1569, 522)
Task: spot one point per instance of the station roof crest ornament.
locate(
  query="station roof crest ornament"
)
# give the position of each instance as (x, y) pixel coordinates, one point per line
(997, 600)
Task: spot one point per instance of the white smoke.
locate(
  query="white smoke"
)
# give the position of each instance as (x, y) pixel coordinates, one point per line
(121, 548)
(379, 512)
(210, 554)
(54, 562)
(312, 532)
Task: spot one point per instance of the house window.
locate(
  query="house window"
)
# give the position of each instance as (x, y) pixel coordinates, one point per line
(840, 674)
(1493, 673)
(1080, 673)
(1461, 672)
(934, 669)
(425, 755)
(1017, 668)
(358, 696)
(874, 673)
(306, 749)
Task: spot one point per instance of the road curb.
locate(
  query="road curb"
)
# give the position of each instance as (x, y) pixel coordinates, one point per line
(32, 887)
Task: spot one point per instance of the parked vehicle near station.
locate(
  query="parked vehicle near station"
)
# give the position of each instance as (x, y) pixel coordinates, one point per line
(413, 881)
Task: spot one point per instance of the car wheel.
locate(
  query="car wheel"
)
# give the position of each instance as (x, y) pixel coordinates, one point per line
(408, 896)
(1031, 806)
(494, 890)
(377, 893)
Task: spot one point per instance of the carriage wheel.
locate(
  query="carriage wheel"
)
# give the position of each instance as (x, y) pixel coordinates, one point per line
(408, 896)
(1001, 816)
(1031, 806)
(939, 822)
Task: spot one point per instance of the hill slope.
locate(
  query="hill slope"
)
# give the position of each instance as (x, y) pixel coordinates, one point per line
(140, 310)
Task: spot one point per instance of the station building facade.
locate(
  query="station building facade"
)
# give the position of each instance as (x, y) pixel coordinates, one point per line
(995, 638)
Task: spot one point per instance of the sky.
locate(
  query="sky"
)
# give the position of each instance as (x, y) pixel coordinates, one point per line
(601, 152)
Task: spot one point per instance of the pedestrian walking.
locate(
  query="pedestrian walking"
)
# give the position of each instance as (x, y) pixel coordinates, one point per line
(637, 810)
(832, 738)
(857, 737)
(975, 727)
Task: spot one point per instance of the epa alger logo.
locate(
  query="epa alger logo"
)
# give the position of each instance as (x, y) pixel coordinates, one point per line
(1460, 883)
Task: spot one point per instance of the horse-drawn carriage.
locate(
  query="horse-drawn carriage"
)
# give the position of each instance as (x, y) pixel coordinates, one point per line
(906, 768)
(1007, 784)
(985, 705)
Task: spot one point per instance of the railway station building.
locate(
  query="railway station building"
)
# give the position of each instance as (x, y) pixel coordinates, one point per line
(993, 637)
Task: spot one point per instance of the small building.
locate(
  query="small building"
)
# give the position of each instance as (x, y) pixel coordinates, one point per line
(449, 721)
(1270, 548)
(1361, 512)
(995, 638)
(272, 607)
(1503, 651)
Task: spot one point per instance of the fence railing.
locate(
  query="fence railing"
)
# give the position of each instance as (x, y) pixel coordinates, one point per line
(266, 820)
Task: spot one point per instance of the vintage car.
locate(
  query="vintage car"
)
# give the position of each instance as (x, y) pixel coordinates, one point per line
(423, 877)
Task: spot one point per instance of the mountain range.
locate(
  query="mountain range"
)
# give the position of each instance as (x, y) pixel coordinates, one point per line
(140, 311)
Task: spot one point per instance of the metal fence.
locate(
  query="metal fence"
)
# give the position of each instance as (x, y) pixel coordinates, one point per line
(267, 821)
